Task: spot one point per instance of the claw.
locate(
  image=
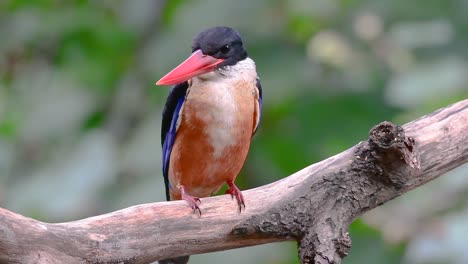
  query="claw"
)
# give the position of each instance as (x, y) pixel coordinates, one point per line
(235, 192)
(192, 201)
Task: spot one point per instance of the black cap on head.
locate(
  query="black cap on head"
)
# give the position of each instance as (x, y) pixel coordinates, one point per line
(222, 43)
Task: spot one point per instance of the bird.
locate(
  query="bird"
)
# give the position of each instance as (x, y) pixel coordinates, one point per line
(210, 116)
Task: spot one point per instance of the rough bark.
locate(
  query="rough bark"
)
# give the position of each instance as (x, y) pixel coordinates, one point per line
(313, 206)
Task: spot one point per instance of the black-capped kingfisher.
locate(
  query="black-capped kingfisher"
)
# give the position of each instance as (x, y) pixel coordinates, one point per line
(209, 118)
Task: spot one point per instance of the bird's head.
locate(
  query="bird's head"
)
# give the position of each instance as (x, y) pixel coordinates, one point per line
(212, 49)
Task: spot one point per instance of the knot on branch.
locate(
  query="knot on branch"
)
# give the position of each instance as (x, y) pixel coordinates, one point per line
(319, 248)
(389, 154)
(323, 239)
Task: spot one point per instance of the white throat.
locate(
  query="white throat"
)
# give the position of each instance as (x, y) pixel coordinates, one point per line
(244, 69)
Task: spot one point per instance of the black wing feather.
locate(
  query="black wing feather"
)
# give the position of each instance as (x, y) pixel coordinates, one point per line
(171, 110)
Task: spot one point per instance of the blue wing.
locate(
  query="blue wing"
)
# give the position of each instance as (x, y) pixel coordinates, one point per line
(174, 102)
(259, 87)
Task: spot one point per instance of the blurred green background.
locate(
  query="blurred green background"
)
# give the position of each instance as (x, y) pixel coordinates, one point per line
(80, 114)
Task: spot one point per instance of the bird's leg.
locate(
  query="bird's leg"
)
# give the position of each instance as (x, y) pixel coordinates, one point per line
(235, 192)
(191, 200)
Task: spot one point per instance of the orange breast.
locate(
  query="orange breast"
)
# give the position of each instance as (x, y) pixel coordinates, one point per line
(213, 138)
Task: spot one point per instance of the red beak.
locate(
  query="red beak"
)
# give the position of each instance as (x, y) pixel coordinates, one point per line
(198, 63)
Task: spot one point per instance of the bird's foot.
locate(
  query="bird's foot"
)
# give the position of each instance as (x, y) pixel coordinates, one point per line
(192, 201)
(235, 192)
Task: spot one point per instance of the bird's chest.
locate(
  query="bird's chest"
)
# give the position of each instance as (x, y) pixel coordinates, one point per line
(220, 116)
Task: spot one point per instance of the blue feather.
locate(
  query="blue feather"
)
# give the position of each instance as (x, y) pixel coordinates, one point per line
(174, 102)
(170, 136)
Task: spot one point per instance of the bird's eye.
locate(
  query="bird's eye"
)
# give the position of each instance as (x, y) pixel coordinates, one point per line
(225, 49)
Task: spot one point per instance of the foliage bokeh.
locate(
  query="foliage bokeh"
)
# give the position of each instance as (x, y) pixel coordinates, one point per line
(80, 115)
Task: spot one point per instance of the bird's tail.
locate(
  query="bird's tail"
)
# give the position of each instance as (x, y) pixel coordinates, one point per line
(178, 260)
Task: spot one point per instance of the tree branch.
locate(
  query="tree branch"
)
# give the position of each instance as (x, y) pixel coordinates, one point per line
(313, 206)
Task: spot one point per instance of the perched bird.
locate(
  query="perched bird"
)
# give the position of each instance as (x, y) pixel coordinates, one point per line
(209, 118)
